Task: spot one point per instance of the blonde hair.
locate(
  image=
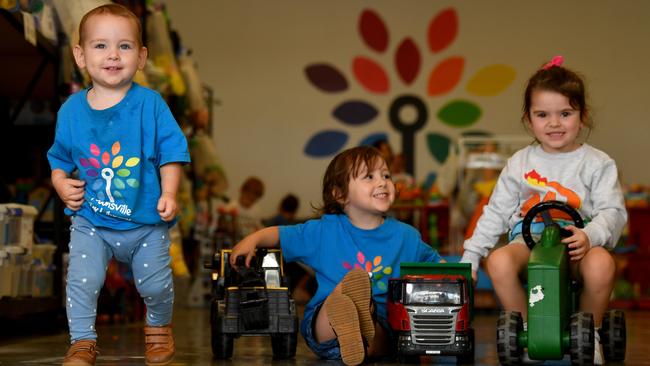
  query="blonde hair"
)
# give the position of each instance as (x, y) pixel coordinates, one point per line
(111, 9)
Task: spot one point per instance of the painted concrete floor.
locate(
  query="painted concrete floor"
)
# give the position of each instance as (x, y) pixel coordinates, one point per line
(123, 344)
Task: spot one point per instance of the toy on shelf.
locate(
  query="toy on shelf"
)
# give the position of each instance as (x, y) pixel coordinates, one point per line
(479, 161)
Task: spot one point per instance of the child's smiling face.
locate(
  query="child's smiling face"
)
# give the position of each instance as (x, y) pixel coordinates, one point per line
(371, 192)
(111, 51)
(554, 122)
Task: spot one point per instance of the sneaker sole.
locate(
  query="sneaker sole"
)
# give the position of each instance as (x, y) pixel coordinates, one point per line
(356, 285)
(343, 318)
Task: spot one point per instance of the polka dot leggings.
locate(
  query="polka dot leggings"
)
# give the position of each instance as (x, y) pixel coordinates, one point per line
(145, 248)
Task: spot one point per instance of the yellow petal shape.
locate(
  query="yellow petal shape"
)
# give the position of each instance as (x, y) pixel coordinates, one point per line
(115, 149)
(388, 270)
(117, 161)
(132, 162)
(491, 80)
(377, 269)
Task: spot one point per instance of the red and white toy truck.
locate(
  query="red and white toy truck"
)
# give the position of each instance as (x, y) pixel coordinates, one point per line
(430, 310)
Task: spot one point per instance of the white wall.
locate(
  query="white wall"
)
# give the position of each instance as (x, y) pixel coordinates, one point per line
(253, 53)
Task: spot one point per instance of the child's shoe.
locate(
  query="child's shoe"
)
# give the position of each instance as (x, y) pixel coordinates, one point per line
(356, 286)
(159, 345)
(598, 350)
(81, 353)
(343, 318)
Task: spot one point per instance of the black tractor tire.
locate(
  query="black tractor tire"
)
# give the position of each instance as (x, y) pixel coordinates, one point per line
(581, 328)
(284, 345)
(613, 335)
(468, 357)
(222, 345)
(509, 325)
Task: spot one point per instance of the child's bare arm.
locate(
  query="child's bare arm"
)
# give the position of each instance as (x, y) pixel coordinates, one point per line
(265, 238)
(70, 190)
(170, 176)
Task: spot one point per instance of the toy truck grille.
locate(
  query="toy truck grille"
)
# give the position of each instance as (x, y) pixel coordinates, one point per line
(432, 328)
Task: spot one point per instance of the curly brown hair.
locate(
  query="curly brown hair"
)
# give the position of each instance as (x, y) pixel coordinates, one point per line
(345, 166)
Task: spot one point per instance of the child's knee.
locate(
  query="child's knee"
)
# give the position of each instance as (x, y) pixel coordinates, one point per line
(154, 289)
(598, 265)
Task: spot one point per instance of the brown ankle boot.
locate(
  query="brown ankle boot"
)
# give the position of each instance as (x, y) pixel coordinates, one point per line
(81, 353)
(159, 345)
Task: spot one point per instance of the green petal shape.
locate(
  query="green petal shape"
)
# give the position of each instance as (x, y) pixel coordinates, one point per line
(132, 182)
(117, 194)
(124, 172)
(381, 286)
(119, 184)
(459, 113)
(491, 80)
(438, 146)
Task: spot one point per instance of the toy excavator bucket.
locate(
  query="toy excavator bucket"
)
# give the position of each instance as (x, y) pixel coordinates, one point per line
(463, 269)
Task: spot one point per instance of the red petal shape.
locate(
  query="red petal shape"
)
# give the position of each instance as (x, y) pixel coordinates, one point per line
(368, 267)
(446, 75)
(407, 59)
(373, 30)
(370, 74)
(106, 158)
(442, 30)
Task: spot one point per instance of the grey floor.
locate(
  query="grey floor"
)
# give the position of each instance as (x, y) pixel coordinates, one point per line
(122, 344)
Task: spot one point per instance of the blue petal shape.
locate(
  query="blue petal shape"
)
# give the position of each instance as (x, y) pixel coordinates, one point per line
(355, 112)
(371, 139)
(325, 143)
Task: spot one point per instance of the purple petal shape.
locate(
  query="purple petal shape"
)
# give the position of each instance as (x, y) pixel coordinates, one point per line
(91, 173)
(355, 112)
(326, 78)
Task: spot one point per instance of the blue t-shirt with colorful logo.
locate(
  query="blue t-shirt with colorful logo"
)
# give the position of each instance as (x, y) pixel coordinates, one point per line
(118, 152)
(332, 246)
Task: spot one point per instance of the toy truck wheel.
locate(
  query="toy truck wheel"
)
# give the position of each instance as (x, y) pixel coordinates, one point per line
(222, 345)
(509, 326)
(613, 335)
(284, 345)
(581, 328)
(468, 357)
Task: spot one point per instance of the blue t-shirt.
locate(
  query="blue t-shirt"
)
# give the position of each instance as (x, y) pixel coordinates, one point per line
(332, 246)
(118, 152)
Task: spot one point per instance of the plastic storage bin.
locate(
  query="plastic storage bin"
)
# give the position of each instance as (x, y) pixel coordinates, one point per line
(18, 225)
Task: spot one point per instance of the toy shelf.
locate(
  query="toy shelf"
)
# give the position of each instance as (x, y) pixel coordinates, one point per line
(28, 73)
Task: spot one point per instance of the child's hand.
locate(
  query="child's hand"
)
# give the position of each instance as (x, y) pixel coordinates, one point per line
(578, 243)
(167, 207)
(71, 192)
(246, 247)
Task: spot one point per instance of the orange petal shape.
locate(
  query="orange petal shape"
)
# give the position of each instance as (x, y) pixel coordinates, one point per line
(370, 74)
(446, 75)
(360, 257)
(407, 59)
(373, 30)
(442, 30)
(94, 149)
(491, 80)
(106, 158)
(115, 149)
(377, 260)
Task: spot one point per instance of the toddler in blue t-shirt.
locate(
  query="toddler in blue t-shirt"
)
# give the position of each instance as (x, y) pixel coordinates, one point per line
(127, 148)
(353, 249)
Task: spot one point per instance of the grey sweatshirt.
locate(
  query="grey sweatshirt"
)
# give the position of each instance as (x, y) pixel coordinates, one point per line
(586, 179)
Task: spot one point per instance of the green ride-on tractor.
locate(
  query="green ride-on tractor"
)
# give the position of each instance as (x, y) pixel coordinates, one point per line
(555, 326)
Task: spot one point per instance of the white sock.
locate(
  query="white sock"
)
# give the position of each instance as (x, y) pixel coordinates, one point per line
(597, 335)
(525, 326)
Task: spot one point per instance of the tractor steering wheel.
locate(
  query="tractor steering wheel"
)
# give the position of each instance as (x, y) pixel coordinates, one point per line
(542, 208)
